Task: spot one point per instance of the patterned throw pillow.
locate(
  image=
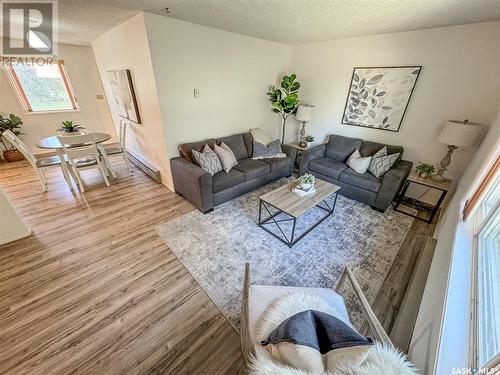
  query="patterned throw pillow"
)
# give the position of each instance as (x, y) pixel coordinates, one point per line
(381, 162)
(226, 156)
(273, 150)
(208, 160)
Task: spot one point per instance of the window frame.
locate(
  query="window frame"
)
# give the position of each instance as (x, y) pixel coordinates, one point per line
(17, 87)
(480, 222)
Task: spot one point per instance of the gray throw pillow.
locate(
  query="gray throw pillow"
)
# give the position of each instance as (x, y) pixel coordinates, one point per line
(208, 160)
(272, 150)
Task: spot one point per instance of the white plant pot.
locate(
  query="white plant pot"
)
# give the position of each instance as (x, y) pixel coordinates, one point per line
(309, 144)
(305, 186)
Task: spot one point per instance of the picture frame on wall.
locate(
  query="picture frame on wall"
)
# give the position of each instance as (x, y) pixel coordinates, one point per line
(378, 97)
(124, 96)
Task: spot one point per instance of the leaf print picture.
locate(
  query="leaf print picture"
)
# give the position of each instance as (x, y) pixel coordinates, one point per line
(378, 97)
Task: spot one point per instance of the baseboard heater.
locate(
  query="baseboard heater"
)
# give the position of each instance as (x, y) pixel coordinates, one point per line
(144, 166)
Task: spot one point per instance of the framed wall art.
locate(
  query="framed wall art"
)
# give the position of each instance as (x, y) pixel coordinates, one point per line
(124, 94)
(378, 97)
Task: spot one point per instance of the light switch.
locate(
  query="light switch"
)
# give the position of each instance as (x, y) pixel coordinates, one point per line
(196, 93)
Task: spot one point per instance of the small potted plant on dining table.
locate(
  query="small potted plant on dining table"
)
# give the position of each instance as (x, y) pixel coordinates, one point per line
(12, 123)
(69, 128)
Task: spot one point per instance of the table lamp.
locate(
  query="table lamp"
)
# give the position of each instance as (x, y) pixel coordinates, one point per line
(456, 134)
(303, 115)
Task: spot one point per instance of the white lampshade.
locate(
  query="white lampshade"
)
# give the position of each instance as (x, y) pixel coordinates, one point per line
(304, 113)
(460, 133)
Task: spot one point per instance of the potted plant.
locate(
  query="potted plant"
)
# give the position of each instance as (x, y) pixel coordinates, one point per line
(425, 170)
(309, 140)
(307, 181)
(285, 99)
(67, 126)
(12, 123)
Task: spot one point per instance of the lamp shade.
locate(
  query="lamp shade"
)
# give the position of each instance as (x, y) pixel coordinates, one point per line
(304, 113)
(460, 133)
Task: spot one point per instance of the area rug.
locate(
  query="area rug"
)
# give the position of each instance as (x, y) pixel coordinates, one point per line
(215, 247)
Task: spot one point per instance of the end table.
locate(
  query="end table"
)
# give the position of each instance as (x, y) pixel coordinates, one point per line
(443, 186)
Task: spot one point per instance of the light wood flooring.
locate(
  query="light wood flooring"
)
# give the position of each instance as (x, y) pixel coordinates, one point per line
(96, 291)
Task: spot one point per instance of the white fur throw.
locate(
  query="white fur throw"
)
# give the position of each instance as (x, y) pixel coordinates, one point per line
(381, 359)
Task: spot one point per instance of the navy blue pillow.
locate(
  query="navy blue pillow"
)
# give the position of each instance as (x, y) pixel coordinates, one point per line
(317, 330)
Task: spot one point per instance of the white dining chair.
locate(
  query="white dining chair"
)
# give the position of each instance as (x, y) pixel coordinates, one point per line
(38, 164)
(122, 148)
(82, 154)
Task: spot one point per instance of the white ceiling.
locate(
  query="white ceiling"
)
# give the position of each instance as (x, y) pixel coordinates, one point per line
(286, 21)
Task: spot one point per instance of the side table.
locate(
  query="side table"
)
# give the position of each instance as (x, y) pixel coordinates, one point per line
(442, 186)
(300, 150)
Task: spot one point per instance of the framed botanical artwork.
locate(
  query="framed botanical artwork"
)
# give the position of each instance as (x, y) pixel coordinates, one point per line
(378, 97)
(124, 97)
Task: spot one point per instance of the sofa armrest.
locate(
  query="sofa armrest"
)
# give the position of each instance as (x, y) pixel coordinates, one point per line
(315, 152)
(193, 183)
(290, 151)
(392, 182)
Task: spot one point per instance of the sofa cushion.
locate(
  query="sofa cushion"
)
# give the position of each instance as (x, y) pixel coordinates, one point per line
(365, 181)
(222, 180)
(327, 167)
(186, 149)
(277, 163)
(370, 148)
(236, 144)
(339, 148)
(252, 168)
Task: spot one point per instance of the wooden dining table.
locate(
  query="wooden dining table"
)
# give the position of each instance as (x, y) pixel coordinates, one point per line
(52, 143)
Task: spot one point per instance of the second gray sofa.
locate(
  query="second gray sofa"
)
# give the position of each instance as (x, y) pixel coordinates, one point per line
(206, 191)
(327, 162)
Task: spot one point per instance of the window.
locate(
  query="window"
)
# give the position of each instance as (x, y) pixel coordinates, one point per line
(42, 87)
(486, 311)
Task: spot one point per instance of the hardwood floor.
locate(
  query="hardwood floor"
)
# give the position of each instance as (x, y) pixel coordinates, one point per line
(96, 291)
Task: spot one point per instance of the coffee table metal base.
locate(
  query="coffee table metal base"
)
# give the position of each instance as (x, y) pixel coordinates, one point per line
(290, 241)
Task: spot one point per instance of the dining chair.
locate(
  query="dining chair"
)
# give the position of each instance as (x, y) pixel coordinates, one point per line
(38, 164)
(122, 148)
(82, 154)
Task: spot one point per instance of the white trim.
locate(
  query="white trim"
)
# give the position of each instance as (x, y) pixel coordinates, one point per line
(18, 237)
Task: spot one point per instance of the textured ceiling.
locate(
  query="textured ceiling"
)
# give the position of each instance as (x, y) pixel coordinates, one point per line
(286, 21)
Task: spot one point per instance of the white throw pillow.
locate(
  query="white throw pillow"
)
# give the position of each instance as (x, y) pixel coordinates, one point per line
(260, 135)
(358, 163)
(226, 156)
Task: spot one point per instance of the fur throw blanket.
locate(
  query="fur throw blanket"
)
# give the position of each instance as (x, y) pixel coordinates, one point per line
(381, 359)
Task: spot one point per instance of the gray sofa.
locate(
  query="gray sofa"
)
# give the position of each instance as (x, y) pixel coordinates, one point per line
(206, 191)
(327, 162)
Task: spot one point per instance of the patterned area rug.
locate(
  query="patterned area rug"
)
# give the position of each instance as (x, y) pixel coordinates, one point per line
(215, 247)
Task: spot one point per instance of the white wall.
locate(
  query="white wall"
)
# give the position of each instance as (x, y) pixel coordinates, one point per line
(11, 226)
(233, 73)
(460, 79)
(126, 47)
(451, 249)
(84, 77)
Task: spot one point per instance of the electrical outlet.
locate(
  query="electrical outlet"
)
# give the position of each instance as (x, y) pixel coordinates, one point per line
(196, 93)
